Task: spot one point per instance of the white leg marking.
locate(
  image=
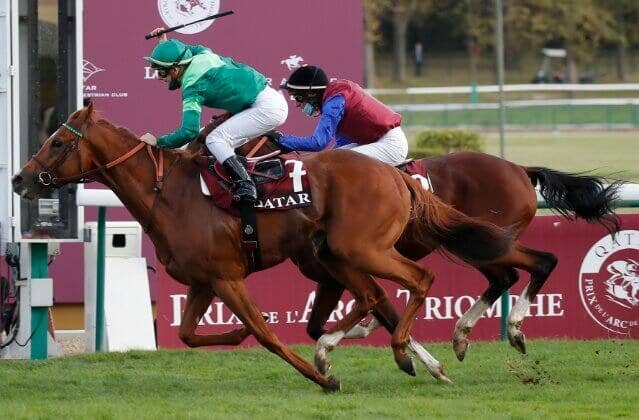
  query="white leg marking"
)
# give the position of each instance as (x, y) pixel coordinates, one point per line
(470, 318)
(520, 309)
(432, 365)
(361, 331)
(326, 343)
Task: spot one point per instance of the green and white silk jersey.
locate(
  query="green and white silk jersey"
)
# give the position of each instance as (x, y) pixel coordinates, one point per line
(214, 81)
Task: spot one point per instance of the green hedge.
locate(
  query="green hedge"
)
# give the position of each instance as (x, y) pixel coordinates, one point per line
(440, 142)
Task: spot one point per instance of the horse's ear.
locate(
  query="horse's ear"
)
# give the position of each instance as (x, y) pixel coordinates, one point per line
(87, 114)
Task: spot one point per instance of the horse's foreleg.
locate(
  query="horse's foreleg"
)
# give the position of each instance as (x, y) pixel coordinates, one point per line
(366, 293)
(500, 279)
(235, 295)
(198, 300)
(362, 331)
(327, 296)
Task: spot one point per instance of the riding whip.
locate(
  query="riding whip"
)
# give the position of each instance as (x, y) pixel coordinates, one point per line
(171, 29)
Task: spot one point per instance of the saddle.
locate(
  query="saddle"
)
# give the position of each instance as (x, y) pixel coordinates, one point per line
(281, 184)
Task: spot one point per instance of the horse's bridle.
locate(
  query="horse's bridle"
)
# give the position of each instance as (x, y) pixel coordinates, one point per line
(47, 176)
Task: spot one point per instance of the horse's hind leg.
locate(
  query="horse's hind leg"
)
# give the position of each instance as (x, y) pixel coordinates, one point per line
(389, 264)
(327, 295)
(500, 279)
(235, 295)
(197, 301)
(539, 264)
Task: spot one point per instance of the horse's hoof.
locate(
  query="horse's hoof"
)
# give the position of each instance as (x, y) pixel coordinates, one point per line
(406, 364)
(460, 346)
(334, 385)
(518, 341)
(442, 376)
(322, 365)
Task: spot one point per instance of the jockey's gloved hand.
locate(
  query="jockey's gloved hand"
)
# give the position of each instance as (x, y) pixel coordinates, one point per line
(275, 137)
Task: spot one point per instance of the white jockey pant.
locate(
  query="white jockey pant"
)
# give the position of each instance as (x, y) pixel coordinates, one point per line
(391, 148)
(269, 111)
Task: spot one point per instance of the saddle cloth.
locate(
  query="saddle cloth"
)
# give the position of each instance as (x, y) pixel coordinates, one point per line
(418, 170)
(282, 183)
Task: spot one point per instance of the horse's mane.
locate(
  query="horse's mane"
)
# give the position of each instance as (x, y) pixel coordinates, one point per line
(123, 131)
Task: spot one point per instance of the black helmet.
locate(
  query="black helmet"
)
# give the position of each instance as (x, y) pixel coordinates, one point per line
(307, 78)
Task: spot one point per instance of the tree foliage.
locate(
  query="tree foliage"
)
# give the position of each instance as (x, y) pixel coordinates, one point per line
(579, 26)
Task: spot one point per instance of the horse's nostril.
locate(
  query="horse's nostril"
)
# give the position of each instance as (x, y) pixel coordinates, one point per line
(17, 180)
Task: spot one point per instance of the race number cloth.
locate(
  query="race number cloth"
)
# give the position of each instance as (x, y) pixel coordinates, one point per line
(282, 184)
(418, 170)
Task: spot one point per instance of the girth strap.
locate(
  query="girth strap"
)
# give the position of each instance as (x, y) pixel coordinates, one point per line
(249, 236)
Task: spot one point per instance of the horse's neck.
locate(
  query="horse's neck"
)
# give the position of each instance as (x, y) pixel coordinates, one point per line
(132, 179)
(134, 182)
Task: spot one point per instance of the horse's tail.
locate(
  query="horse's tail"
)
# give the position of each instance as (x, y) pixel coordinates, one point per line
(578, 196)
(470, 239)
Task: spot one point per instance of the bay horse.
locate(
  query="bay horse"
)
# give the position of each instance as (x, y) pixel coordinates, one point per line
(200, 244)
(492, 189)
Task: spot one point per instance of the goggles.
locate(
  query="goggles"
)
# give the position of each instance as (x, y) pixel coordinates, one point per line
(163, 72)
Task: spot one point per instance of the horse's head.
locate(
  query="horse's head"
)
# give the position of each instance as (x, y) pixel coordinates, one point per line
(61, 156)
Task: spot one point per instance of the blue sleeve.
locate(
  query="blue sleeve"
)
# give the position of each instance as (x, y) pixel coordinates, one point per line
(332, 113)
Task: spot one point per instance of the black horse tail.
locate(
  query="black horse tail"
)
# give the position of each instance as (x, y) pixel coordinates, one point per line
(578, 196)
(436, 223)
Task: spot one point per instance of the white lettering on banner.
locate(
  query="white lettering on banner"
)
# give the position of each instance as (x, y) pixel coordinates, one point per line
(451, 307)
(435, 308)
(296, 174)
(150, 73)
(216, 314)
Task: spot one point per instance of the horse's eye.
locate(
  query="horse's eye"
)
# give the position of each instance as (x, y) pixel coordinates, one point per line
(56, 143)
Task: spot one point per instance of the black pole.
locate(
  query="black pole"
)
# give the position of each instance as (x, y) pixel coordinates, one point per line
(173, 28)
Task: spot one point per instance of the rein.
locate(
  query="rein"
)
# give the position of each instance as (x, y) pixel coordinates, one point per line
(257, 147)
(47, 178)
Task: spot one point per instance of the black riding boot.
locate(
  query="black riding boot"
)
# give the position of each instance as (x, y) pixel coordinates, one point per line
(244, 185)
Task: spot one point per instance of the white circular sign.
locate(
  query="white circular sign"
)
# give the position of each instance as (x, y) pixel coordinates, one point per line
(609, 282)
(179, 12)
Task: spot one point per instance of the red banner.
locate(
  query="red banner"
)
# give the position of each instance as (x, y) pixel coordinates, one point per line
(126, 91)
(592, 293)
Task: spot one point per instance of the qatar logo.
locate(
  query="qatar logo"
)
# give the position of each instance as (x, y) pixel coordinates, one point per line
(609, 282)
(89, 69)
(178, 12)
(292, 62)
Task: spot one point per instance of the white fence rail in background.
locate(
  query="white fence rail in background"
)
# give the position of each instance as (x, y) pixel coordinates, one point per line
(542, 87)
(629, 196)
(528, 110)
(515, 104)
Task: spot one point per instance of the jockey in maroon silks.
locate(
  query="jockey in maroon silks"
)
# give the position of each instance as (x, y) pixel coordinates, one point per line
(348, 115)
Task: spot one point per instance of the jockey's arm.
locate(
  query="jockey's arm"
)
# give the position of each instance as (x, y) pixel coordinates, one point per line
(190, 128)
(325, 131)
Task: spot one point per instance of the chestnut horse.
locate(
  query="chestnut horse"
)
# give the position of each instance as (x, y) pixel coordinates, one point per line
(492, 189)
(200, 244)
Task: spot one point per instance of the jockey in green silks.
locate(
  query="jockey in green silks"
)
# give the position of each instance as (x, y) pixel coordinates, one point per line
(215, 81)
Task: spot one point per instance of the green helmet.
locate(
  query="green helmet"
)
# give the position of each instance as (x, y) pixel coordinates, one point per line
(170, 53)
